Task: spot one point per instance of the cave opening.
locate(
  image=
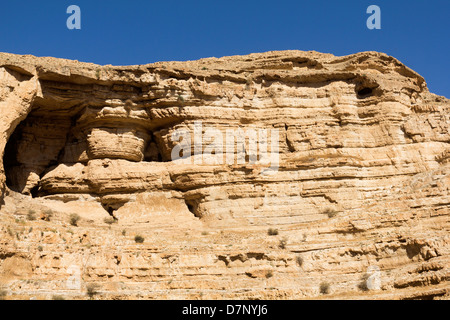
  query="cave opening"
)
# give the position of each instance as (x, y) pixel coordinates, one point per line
(34, 147)
(43, 141)
(365, 93)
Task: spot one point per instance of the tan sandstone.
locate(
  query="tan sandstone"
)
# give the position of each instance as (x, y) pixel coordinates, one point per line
(360, 200)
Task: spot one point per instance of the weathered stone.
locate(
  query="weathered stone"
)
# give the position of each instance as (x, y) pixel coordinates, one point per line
(362, 181)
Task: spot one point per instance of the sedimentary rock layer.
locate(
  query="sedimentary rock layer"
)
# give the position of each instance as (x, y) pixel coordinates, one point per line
(361, 180)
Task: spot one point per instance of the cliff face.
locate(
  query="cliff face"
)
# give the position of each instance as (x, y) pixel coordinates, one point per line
(355, 189)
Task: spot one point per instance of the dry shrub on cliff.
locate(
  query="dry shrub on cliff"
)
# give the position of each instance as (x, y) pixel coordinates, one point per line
(283, 243)
(139, 239)
(109, 220)
(331, 213)
(325, 288)
(74, 218)
(299, 260)
(31, 216)
(92, 290)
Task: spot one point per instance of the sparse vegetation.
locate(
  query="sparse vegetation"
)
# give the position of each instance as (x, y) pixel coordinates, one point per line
(124, 232)
(109, 220)
(92, 290)
(58, 297)
(283, 243)
(47, 215)
(74, 218)
(139, 239)
(272, 232)
(31, 216)
(269, 274)
(325, 288)
(3, 294)
(180, 98)
(205, 233)
(299, 260)
(331, 213)
(40, 248)
(363, 284)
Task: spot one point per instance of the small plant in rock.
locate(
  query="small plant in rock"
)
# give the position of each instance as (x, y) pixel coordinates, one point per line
(331, 213)
(139, 239)
(269, 274)
(40, 249)
(92, 290)
(272, 232)
(47, 215)
(31, 216)
(109, 220)
(363, 284)
(74, 218)
(283, 243)
(325, 288)
(3, 294)
(299, 260)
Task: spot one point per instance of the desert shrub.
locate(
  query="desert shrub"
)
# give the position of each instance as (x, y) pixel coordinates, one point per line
(272, 232)
(31, 216)
(109, 220)
(269, 274)
(283, 243)
(47, 215)
(74, 218)
(40, 248)
(92, 290)
(331, 213)
(325, 288)
(139, 239)
(363, 284)
(299, 260)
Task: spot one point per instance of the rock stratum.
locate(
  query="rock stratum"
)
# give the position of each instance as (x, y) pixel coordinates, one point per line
(358, 208)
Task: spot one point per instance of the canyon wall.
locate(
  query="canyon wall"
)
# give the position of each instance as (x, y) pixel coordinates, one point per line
(354, 202)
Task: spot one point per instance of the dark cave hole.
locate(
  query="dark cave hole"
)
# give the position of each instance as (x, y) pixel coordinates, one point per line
(42, 142)
(35, 191)
(9, 158)
(364, 93)
(193, 207)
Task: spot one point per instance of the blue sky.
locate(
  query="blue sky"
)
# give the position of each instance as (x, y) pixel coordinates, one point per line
(144, 31)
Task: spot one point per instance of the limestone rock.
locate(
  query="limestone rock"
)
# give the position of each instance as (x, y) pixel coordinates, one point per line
(361, 180)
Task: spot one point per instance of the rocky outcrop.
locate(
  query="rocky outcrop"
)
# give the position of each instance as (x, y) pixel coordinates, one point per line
(361, 180)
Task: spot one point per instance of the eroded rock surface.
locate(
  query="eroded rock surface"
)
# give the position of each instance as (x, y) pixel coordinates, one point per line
(362, 181)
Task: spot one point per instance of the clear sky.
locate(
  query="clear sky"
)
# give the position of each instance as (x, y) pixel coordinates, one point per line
(143, 31)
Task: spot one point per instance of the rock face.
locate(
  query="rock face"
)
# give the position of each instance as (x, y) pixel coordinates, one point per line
(358, 200)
